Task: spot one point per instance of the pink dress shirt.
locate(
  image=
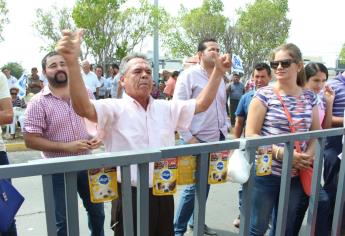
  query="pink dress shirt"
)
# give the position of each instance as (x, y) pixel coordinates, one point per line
(123, 124)
(55, 120)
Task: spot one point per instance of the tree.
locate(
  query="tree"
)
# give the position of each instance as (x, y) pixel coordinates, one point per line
(342, 55)
(50, 23)
(3, 17)
(262, 26)
(111, 29)
(15, 68)
(184, 32)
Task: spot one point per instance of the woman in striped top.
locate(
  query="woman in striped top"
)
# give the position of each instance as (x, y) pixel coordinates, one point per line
(267, 117)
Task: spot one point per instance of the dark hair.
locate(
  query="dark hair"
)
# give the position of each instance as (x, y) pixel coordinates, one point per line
(175, 74)
(99, 66)
(4, 68)
(202, 46)
(312, 68)
(114, 66)
(44, 60)
(296, 55)
(262, 66)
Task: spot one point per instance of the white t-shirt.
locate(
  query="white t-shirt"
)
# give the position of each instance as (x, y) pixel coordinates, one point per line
(91, 81)
(4, 93)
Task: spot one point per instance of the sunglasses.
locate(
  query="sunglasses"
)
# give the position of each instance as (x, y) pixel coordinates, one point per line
(284, 63)
(13, 93)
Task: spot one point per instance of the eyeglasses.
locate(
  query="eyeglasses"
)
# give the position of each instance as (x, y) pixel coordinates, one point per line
(284, 63)
(13, 93)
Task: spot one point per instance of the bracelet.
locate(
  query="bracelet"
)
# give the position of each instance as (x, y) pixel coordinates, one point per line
(277, 153)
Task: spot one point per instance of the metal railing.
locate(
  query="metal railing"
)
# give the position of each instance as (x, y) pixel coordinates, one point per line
(71, 165)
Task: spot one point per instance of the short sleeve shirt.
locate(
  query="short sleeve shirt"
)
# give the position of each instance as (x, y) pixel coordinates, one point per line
(276, 122)
(123, 124)
(4, 93)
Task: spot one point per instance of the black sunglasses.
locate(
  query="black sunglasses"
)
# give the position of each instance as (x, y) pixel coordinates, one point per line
(284, 63)
(13, 93)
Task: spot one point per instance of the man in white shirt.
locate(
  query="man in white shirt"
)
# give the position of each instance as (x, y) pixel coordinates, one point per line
(11, 80)
(90, 78)
(137, 121)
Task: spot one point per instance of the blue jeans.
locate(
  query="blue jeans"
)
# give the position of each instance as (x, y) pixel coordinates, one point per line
(12, 231)
(185, 209)
(265, 199)
(95, 211)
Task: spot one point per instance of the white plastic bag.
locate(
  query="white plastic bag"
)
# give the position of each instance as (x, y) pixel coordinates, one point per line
(238, 167)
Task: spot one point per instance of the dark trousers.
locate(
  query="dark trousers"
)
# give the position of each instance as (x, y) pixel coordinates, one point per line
(321, 228)
(331, 171)
(161, 214)
(233, 107)
(12, 231)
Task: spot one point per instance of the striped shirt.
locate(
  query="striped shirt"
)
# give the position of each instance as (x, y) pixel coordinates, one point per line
(276, 122)
(338, 85)
(55, 120)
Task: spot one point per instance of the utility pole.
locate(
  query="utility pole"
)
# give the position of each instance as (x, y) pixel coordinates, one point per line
(155, 49)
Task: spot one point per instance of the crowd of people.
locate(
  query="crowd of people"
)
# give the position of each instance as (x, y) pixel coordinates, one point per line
(129, 111)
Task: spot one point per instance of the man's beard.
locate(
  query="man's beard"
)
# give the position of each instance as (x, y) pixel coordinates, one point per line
(56, 82)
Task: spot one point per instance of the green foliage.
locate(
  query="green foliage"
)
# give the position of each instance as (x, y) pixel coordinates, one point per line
(342, 55)
(3, 17)
(15, 68)
(113, 30)
(50, 23)
(261, 27)
(183, 33)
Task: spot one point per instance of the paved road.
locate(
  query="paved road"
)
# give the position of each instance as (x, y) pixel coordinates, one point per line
(220, 211)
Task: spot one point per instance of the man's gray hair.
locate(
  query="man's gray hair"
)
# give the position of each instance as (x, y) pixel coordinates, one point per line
(124, 62)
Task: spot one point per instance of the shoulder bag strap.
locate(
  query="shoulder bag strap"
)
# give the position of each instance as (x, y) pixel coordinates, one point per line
(288, 115)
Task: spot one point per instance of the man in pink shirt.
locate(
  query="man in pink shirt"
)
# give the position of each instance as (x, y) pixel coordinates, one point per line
(170, 86)
(137, 121)
(52, 126)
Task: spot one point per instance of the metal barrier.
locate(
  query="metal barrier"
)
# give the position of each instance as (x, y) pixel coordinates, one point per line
(69, 166)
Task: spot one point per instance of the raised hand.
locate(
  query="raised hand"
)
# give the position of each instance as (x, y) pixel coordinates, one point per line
(69, 45)
(329, 94)
(222, 62)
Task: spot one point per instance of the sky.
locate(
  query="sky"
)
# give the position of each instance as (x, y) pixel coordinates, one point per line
(315, 27)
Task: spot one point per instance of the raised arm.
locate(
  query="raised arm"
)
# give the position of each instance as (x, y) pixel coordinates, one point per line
(69, 47)
(207, 95)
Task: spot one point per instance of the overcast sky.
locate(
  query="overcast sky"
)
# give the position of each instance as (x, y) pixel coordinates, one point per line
(316, 27)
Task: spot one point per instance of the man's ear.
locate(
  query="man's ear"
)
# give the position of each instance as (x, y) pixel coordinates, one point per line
(122, 81)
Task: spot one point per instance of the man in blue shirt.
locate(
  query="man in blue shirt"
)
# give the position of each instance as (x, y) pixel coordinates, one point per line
(334, 144)
(235, 92)
(261, 77)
